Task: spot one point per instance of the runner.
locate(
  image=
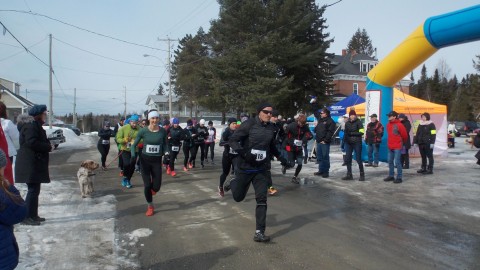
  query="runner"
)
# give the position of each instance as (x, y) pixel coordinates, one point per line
(199, 139)
(188, 145)
(166, 159)
(228, 153)
(126, 136)
(155, 146)
(298, 134)
(210, 141)
(103, 144)
(175, 136)
(254, 142)
(115, 131)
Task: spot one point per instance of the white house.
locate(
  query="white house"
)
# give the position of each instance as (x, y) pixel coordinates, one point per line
(16, 104)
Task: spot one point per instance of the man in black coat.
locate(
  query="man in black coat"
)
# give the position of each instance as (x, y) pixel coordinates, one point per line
(324, 132)
(405, 158)
(31, 166)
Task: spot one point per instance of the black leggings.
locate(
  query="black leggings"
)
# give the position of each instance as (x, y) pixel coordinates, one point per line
(151, 175)
(128, 165)
(227, 164)
(187, 151)
(240, 187)
(103, 149)
(426, 153)
(195, 151)
(210, 146)
(173, 157)
(296, 156)
(31, 201)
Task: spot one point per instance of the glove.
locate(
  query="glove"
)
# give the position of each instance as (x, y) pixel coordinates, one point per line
(432, 145)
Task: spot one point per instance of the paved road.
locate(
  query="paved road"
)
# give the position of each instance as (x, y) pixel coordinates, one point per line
(425, 223)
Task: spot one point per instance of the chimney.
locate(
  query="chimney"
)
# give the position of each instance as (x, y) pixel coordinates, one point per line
(344, 52)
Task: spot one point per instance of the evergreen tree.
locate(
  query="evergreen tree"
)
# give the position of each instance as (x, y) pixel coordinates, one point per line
(476, 64)
(361, 43)
(434, 93)
(422, 84)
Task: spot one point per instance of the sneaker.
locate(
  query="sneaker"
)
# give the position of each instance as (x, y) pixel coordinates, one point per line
(221, 192)
(390, 178)
(284, 169)
(261, 237)
(30, 222)
(39, 219)
(272, 191)
(397, 181)
(295, 180)
(150, 211)
(124, 182)
(128, 185)
(173, 173)
(168, 170)
(369, 165)
(226, 185)
(190, 165)
(185, 169)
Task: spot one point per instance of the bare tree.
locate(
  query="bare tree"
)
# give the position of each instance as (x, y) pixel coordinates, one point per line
(444, 69)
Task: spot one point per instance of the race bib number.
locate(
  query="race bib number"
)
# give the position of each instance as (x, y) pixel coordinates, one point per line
(129, 145)
(297, 142)
(152, 149)
(175, 148)
(260, 154)
(233, 152)
(105, 141)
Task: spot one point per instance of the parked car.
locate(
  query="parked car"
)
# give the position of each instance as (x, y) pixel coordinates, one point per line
(470, 126)
(73, 128)
(460, 127)
(55, 136)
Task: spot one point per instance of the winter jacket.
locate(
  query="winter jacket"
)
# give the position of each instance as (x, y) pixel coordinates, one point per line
(189, 136)
(175, 136)
(297, 137)
(202, 133)
(224, 142)
(11, 134)
(324, 130)
(126, 136)
(11, 212)
(115, 131)
(426, 133)
(374, 132)
(397, 135)
(254, 141)
(408, 127)
(353, 131)
(31, 165)
(105, 135)
(211, 135)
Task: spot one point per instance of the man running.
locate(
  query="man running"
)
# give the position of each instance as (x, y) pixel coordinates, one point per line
(210, 141)
(228, 153)
(201, 135)
(103, 144)
(298, 135)
(125, 137)
(175, 136)
(254, 142)
(189, 135)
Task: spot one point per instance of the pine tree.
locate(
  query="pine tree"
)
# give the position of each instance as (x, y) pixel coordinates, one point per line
(422, 84)
(476, 64)
(361, 43)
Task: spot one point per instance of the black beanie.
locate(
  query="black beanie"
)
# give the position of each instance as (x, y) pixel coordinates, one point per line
(37, 110)
(263, 105)
(231, 120)
(210, 122)
(427, 115)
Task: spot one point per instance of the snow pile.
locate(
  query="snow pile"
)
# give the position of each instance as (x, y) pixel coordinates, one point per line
(72, 140)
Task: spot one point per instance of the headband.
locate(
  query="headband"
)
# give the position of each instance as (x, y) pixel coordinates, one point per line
(153, 114)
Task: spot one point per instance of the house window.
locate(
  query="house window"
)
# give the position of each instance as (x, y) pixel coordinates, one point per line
(371, 66)
(364, 68)
(355, 88)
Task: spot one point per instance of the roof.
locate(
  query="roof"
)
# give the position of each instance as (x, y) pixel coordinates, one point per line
(403, 103)
(348, 64)
(23, 100)
(160, 99)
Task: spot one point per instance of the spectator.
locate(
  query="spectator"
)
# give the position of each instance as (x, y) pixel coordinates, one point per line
(405, 159)
(31, 166)
(11, 132)
(373, 138)
(425, 139)
(397, 137)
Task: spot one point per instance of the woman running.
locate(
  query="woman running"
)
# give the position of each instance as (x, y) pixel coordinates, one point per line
(103, 144)
(155, 146)
(228, 154)
(210, 141)
(175, 136)
(189, 145)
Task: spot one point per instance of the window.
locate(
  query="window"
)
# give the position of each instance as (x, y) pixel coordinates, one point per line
(355, 88)
(364, 68)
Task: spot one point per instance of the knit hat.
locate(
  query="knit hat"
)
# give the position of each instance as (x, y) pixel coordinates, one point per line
(210, 123)
(166, 122)
(134, 118)
(175, 121)
(37, 110)
(231, 120)
(403, 116)
(3, 159)
(262, 106)
(189, 122)
(427, 115)
(352, 112)
(202, 122)
(275, 113)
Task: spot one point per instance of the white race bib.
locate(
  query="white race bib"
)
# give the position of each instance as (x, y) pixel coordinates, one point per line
(298, 142)
(233, 152)
(129, 145)
(260, 154)
(152, 149)
(175, 148)
(105, 141)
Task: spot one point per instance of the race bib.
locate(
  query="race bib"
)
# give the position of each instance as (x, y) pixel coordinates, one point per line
(233, 152)
(105, 141)
(152, 149)
(129, 145)
(260, 154)
(297, 142)
(175, 148)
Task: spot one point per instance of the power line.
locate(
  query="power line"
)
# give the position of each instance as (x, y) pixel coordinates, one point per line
(102, 56)
(17, 53)
(26, 49)
(81, 28)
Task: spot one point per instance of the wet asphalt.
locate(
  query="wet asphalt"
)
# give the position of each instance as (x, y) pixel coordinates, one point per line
(427, 222)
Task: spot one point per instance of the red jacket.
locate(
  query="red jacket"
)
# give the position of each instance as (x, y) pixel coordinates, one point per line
(8, 174)
(397, 135)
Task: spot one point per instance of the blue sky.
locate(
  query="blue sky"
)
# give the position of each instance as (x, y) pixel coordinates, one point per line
(100, 81)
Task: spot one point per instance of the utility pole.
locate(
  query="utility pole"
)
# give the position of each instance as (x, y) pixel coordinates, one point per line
(50, 99)
(169, 77)
(125, 103)
(75, 107)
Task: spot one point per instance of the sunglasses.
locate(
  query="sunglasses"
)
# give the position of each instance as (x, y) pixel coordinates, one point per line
(267, 112)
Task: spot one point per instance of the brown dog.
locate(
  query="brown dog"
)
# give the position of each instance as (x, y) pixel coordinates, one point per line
(86, 176)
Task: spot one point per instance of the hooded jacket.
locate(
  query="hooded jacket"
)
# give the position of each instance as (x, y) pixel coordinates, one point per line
(397, 135)
(426, 133)
(126, 136)
(33, 156)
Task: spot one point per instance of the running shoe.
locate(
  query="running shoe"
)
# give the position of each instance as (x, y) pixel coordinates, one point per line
(185, 169)
(129, 185)
(221, 192)
(173, 173)
(226, 185)
(272, 191)
(190, 165)
(295, 180)
(168, 170)
(124, 182)
(150, 211)
(261, 237)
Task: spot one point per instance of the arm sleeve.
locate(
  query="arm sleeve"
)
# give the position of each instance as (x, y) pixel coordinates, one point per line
(433, 133)
(164, 143)
(32, 139)
(330, 131)
(239, 135)
(380, 131)
(119, 136)
(359, 130)
(133, 148)
(403, 133)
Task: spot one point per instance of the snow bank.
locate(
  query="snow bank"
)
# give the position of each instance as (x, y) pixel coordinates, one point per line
(72, 140)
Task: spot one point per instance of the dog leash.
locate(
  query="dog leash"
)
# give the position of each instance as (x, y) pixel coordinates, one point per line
(108, 165)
